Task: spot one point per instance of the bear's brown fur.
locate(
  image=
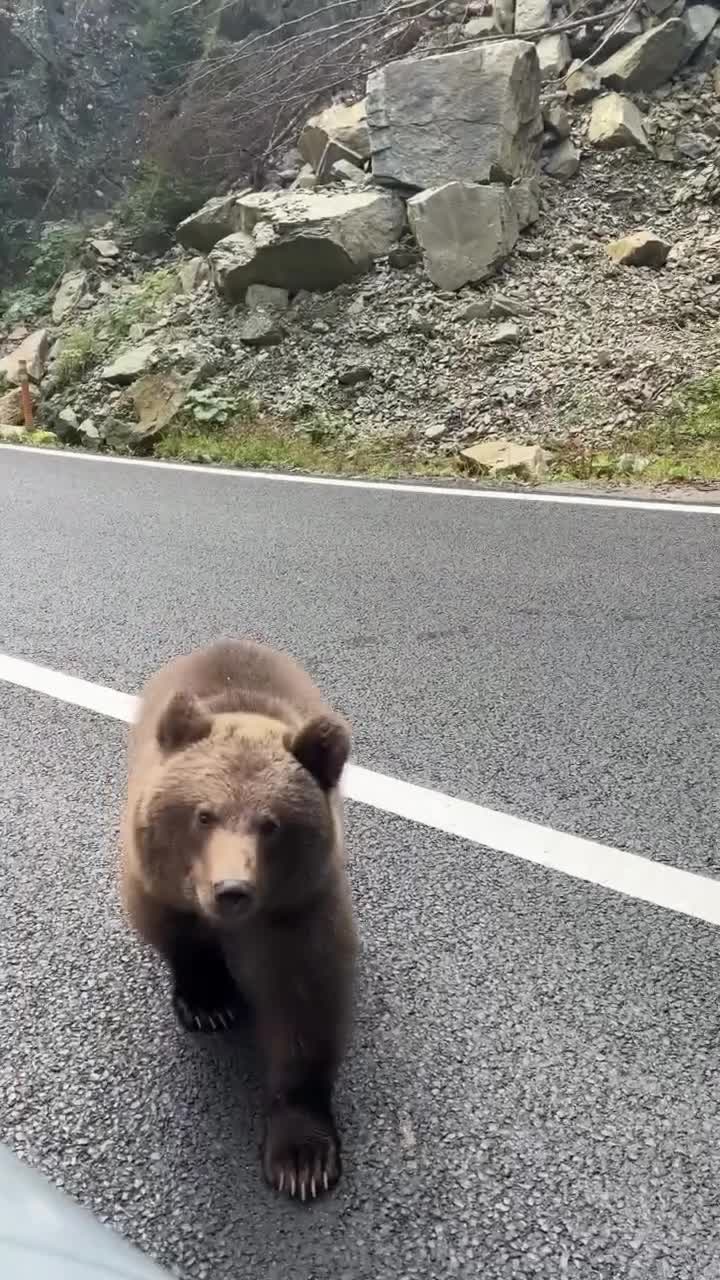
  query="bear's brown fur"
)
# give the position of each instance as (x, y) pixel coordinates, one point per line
(233, 869)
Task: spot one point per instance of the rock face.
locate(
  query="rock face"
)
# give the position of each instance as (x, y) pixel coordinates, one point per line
(648, 60)
(343, 124)
(464, 230)
(642, 249)
(305, 240)
(34, 351)
(471, 116)
(616, 122)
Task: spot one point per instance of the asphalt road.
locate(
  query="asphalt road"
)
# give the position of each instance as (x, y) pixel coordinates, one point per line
(533, 1088)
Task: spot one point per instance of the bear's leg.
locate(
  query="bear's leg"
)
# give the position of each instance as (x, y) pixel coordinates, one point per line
(205, 998)
(301, 1010)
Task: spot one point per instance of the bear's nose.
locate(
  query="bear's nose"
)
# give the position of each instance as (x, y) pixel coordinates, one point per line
(233, 895)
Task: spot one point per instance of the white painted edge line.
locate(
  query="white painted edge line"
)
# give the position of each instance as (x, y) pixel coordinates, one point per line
(382, 486)
(626, 873)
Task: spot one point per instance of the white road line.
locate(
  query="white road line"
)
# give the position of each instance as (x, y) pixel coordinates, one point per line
(383, 486)
(626, 873)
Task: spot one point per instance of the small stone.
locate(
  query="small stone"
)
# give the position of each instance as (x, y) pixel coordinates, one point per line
(417, 323)
(261, 329)
(503, 305)
(345, 171)
(557, 121)
(105, 248)
(264, 297)
(479, 310)
(306, 179)
(193, 273)
(351, 377)
(334, 153)
(504, 334)
(436, 432)
(582, 84)
(532, 15)
(643, 249)
(563, 162)
(88, 429)
(616, 122)
(483, 26)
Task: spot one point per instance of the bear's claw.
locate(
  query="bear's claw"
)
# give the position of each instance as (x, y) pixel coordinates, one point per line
(301, 1156)
(194, 1018)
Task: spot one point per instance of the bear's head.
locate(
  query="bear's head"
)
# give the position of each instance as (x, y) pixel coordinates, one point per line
(238, 815)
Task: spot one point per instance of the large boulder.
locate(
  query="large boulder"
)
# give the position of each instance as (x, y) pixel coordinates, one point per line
(648, 60)
(471, 116)
(700, 21)
(532, 15)
(305, 240)
(34, 351)
(130, 364)
(216, 219)
(345, 124)
(464, 230)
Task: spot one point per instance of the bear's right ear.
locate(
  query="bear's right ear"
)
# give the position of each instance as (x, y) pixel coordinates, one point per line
(182, 722)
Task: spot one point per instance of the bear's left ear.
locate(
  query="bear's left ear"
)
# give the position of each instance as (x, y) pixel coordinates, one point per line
(322, 747)
(182, 723)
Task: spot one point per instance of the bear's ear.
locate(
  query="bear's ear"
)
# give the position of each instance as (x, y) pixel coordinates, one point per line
(182, 722)
(322, 747)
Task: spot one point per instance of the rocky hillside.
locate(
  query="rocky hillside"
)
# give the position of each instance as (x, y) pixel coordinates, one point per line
(506, 256)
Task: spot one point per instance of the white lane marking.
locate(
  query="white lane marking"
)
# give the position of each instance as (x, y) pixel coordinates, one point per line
(600, 864)
(383, 486)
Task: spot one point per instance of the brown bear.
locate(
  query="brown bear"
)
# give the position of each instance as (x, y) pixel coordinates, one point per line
(233, 869)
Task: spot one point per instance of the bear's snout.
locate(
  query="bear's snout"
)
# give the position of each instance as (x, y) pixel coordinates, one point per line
(233, 897)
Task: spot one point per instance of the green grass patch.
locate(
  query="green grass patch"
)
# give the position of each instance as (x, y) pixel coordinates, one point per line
(282, 448)
(680, 446)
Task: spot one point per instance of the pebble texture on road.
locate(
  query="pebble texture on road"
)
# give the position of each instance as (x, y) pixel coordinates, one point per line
(555, 662)
(532, 1090)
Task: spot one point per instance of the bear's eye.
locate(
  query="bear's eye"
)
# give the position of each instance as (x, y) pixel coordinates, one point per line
(206, 817)
(267, 826)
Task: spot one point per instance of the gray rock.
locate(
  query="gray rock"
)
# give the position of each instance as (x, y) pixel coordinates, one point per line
(335, 151)
(105, 249)
(553, 55)
(583, 83)
(193, 274)
(479, 310)
(261, 329)
(130, 364)
(69, 418)
(71, 289)
(476, 27)
(352, 377)
(306, 179)
(525, 196)
(305, 240)
(506, 457)
(464, 230)
(700, 21)
(564, 161)
(648, 60)
(530, 15)
(641, 249)
(263, 297)
(471, 116)
(344, 171)
(436, 432)
(216, 219)
(88, 429)
(557, 121)
(508, 332)
(34, 351)
(155, 399)
(504, 14)
(343, 123)
(616, 122)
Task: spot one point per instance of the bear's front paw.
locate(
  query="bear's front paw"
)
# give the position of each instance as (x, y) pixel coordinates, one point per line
(301, 1154)
(196, 1018)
